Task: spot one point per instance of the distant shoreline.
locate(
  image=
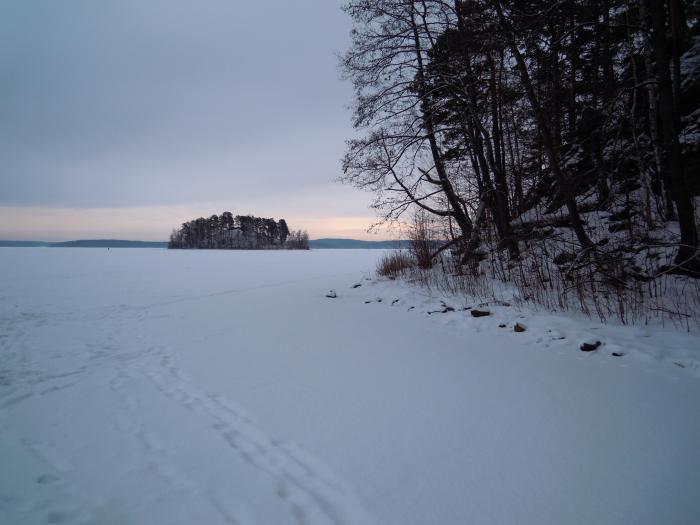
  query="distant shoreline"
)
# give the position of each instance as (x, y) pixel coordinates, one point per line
(318, 244)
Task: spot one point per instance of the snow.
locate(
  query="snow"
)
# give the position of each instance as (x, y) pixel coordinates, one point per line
(179, 387)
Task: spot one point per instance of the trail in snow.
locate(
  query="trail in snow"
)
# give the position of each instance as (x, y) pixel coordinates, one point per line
(314, 494)
(313, 491)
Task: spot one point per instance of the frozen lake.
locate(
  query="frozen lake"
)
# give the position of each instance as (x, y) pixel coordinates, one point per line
(146, 386)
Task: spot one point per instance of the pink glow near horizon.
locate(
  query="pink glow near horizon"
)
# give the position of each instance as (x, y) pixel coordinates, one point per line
(154, 223)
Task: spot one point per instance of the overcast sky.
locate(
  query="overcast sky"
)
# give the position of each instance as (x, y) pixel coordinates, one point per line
(123, 119)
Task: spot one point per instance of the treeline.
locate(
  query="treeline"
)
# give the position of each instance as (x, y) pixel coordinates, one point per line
(243, 232)
(530, 120)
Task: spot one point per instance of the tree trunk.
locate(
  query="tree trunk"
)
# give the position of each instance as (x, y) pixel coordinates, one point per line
(666, 208)
(673, 165)
(460, 216)
(547, 140)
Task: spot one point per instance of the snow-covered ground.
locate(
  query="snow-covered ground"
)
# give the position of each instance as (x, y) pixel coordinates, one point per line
(156, 387)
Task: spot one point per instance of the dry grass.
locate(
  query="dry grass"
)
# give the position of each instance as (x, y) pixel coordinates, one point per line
(614, 284)
(533, 282)
(395, 264)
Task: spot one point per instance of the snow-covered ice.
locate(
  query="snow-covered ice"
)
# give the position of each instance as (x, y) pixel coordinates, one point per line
(181, 387)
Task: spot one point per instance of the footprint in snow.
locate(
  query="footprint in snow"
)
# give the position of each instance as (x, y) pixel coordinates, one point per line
(64, 516)
(46, 479)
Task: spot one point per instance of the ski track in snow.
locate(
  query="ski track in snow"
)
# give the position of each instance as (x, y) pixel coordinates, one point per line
(314, 494)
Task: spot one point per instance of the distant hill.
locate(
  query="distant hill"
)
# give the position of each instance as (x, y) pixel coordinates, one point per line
(109, 243)
(22, 244)
(356, 244)
(345, 244)
(99, 243)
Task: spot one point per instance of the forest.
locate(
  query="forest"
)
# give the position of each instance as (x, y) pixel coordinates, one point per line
(548, 141)
(240, 232)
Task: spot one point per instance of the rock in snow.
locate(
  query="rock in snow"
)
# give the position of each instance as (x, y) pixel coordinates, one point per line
(590, 346)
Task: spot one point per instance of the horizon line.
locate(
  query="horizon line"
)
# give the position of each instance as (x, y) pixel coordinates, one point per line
(165, 241)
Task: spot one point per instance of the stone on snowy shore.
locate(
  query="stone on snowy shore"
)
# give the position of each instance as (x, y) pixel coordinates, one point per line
(590, 347)
(480, 313)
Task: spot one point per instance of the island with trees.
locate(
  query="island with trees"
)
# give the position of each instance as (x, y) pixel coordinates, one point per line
(240, 232)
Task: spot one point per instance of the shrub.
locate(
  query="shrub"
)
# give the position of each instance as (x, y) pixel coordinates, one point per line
(422, 241)
(394, 264)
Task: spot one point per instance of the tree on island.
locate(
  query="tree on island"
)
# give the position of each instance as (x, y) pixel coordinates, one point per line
(298, 240)
(242, 232)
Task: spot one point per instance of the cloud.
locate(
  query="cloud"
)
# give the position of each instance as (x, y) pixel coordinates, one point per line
(168, 103)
